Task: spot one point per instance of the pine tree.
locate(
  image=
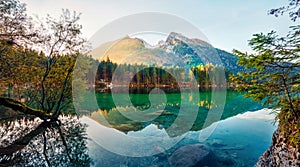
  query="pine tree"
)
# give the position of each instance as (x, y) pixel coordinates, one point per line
(273, 76)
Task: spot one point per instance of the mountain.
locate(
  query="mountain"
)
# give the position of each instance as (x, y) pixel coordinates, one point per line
(177, 50)
(196, 51)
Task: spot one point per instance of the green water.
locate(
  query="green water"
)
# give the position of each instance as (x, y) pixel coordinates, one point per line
(235, 103)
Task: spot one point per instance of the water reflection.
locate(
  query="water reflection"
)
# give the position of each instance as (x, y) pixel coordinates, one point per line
(121, 141)
(30, 142)
(109, 115)
(237, 141)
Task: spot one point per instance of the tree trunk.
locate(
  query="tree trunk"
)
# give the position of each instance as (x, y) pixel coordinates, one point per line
(18, 106)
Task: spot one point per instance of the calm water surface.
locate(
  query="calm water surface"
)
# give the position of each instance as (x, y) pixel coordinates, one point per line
(112, 134)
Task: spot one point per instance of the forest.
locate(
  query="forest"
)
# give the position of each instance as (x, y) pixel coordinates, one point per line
(141, 75)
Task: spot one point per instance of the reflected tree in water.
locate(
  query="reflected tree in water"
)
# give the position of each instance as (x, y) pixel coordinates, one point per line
(31, 142)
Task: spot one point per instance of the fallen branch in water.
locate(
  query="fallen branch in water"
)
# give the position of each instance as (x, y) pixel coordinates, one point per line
(19, 106)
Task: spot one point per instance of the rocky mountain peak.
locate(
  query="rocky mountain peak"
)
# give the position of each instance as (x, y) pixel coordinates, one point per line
(175, 38)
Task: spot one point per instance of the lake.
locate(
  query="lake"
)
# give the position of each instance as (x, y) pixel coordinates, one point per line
(144, 128)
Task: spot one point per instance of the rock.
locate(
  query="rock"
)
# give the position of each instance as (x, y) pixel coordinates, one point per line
(193, 155)
(279, 154)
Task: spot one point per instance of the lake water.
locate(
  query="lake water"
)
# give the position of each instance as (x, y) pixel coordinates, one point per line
(148, 130)
(236, 141)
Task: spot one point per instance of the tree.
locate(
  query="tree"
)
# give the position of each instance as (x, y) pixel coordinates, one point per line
(293, 8)
(59, 37)
(15, 25)
(273, 75)
(60, 43)
(15, 32)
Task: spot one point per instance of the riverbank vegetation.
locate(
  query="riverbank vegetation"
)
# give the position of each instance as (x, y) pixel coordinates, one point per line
(273, 78)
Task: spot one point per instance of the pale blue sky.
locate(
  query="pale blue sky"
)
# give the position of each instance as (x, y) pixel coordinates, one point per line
(228, 24)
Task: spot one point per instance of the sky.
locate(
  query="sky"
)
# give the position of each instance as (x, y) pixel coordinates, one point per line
(227, 24)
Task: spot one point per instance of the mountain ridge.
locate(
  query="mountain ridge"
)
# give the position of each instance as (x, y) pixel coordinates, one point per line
(176, 50)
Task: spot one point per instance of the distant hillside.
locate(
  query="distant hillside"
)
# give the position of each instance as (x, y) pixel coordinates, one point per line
(118, 50)
(177, 50)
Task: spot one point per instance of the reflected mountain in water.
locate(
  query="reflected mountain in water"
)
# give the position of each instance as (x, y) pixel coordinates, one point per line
(31, 142)
(112, 116)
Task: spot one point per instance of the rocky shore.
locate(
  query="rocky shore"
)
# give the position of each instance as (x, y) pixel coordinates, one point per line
(279, 154)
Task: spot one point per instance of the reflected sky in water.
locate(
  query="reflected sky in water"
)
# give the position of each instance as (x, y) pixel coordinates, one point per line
(236, 141)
